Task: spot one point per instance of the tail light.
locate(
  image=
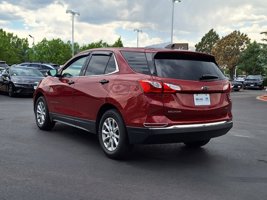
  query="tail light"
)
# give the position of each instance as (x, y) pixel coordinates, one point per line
(227, 87)
(158, 87)
(170, 88)
(151, 86)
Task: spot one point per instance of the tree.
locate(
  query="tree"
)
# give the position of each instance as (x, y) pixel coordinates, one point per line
(207, 42)
(101, 44)
(227, 51)
(55, 51)
(118, 43)
(252, 60)
(13, 49)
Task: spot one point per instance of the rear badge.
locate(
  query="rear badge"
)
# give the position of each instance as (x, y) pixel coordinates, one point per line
(204, 88)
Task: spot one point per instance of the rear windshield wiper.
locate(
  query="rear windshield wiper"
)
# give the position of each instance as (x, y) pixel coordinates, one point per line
(208, 76)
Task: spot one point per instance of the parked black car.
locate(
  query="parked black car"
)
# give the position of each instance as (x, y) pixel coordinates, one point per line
(19, 80)
(42, 67)
(254, 81)
(236, 85)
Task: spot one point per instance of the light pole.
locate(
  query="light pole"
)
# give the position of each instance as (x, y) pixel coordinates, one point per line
(32, 39)
(173, 2)
(137, 35)
(73, 13)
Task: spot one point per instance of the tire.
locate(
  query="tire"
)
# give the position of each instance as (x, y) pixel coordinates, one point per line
(11, 92)
(197, 144)
(112, 135)
(42, 117)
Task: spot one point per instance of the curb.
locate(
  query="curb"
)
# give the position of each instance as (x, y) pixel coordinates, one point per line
(262, 98)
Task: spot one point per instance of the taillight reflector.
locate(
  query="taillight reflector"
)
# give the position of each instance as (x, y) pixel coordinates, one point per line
(170, 88)
(158, 87)
(151, 86)
(227, 87)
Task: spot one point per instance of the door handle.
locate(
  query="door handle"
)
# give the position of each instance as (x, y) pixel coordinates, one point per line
(104, 81)
(70, 82)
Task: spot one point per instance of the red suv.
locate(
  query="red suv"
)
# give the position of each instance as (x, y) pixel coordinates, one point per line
(131, 96)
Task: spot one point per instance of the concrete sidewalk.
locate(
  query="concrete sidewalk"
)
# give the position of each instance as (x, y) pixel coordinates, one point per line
(263, 97)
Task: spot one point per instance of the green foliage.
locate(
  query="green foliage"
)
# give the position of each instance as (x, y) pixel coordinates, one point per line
(253, 59)
(118, 43)
(207, 42)
(13, 49)
(54, 51)
(227, 51)
(101, 44)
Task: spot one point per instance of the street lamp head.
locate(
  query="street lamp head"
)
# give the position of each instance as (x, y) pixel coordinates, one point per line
(72, 12)
(30, 36)
(176, 1)
(138, 30)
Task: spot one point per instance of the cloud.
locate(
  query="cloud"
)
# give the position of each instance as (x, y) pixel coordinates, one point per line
(108, 20)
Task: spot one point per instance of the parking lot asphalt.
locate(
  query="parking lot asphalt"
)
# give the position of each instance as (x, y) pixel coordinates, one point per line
(68, 163)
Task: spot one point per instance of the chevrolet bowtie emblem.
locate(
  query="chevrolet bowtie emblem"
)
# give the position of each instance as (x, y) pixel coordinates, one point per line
(204, 88)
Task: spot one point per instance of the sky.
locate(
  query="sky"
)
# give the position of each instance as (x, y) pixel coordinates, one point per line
(108, 20)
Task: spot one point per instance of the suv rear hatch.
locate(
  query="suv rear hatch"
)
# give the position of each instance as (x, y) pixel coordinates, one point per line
(198, 91)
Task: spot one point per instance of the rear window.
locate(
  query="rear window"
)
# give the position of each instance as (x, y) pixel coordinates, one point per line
(137, 61)
(193, 69)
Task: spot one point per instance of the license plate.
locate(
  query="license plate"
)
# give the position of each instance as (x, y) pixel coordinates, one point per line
(251, 85)
(202, 99)
(34, 87)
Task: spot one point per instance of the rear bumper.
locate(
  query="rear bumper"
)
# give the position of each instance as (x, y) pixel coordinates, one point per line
(178, 133)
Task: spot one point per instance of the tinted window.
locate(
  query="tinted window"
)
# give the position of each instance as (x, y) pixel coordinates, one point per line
(187, 69)
(74, 68)
(97, 65)
(45, 67)
(34, 65)
(137, 61)
(111, 67)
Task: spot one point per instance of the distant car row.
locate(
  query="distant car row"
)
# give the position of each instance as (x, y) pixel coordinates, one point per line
(251, 81)
(19, 80)
(22, 78)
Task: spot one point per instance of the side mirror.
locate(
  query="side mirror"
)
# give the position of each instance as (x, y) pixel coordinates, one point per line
(52, 72)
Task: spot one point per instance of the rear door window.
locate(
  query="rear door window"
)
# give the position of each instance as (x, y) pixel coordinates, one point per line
(101, 63)
(97, 65)
(111, 67)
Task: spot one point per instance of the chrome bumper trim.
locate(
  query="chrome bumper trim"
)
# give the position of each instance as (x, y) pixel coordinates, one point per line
(194, 125)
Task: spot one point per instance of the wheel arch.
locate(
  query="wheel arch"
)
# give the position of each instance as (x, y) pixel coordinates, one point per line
(102, 110)
(36, 96)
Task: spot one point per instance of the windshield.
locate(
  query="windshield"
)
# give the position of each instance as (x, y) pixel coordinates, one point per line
(256, 77)
(25, 72)
(188, 69)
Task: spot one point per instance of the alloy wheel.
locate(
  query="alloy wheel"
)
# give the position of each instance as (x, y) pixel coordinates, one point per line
(40, 113)
(110, 134)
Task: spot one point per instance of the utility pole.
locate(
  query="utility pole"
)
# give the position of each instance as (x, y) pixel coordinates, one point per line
(137, 35)
(73, 13)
